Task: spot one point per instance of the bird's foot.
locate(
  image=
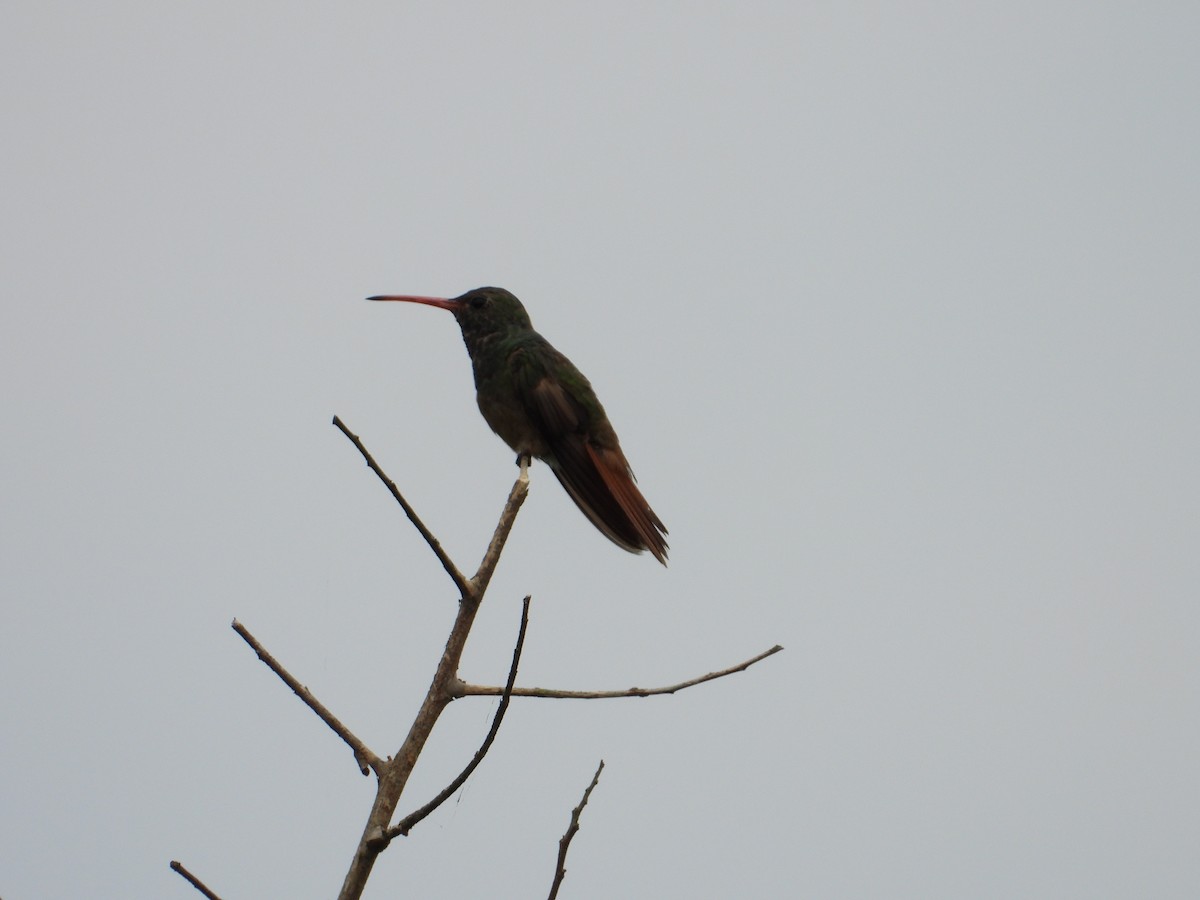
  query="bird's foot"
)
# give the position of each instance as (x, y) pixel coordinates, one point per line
(523, 462)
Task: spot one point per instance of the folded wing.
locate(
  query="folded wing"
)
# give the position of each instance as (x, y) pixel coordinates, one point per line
(590, 465)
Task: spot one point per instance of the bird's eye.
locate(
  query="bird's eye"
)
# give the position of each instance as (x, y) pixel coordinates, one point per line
(479, 301)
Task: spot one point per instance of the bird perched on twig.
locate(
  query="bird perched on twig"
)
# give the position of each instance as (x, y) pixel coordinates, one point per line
(542, 406)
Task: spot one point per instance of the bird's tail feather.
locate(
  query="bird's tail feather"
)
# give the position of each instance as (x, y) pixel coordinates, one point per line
(603, 487)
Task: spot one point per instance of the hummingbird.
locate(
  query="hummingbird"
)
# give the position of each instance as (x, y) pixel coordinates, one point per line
(535, 399)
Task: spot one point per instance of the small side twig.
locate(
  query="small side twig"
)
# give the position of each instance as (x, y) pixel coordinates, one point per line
(435, 545)
(367, 761)
(487, 690)
(564, 843)
(195, 882)
(405, 825)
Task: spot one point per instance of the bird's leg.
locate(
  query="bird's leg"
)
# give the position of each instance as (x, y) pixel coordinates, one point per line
(523, 462)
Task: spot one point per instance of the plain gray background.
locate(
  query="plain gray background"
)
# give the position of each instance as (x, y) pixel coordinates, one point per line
(893, 305)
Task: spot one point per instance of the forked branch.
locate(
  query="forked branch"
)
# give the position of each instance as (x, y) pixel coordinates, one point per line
(405, 825)
(446, 686)
(394, 773)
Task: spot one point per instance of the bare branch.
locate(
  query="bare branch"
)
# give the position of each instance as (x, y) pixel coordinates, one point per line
(195, 882)
(564, 843)
(460, 581)
(405, 825)
(445, 687)
(508, 516)
(487, 690)
(367, 761)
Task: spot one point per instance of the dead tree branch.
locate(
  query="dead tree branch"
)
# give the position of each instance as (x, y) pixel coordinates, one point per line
(367, 761)
(393, 775)
(484, 690)
(193, 880)
(564, 843)
(434, 544)
(508, 517)
(405, 825)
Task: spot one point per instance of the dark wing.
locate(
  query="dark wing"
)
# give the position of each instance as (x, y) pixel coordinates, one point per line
(594, 471)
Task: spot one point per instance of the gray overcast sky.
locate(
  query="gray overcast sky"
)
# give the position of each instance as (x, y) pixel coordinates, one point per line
(894, 307)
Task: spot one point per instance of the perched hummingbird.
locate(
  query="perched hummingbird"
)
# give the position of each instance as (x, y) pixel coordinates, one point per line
(542, 406)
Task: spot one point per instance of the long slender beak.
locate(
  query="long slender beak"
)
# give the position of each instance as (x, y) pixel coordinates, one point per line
(440, 302)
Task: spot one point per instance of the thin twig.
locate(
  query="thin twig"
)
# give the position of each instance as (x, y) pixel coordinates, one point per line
(508, 516)
(195, 882)
(405, 825)
(564, 843)
(367, 761)
(435, 545)
(487, 690)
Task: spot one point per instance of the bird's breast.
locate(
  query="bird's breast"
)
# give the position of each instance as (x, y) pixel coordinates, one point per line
(509, 419)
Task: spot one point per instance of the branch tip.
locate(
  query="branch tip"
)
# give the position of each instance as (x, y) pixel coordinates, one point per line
(464, 586)
(479, 690)
(564, 843)
(363, 757)
(193, 880)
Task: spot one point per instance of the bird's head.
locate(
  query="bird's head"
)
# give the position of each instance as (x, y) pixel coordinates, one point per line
(481, 312)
